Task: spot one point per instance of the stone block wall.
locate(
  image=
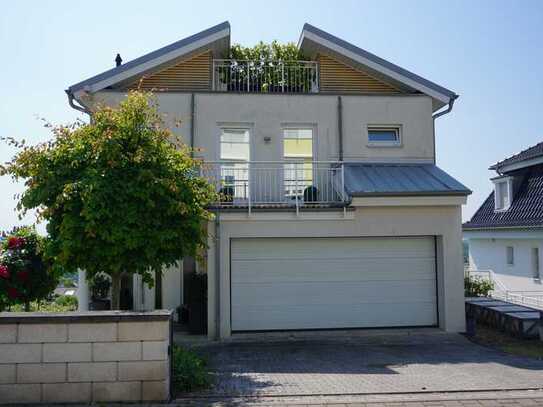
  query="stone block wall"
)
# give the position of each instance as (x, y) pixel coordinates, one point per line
(85, 357)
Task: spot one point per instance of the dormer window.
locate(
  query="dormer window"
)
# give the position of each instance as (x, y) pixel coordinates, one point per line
(503, 193)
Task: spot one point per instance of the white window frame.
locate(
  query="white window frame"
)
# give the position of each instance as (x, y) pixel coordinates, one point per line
(384, 127)
(298, 160)
(226, 162)
(498, 182)
(225, 127)
(536, 264)
(510, 255)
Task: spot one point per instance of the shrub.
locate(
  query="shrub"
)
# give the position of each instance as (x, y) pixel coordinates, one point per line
(99, 286)
(67, 301)
(190, 370)
(48, 306)
(477, 287)
(24, 274)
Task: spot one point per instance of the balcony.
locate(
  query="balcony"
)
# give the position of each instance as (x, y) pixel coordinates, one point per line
(265, 76)
(277, 184)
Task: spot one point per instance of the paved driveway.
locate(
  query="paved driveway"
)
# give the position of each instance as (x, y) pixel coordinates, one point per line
(343, 365)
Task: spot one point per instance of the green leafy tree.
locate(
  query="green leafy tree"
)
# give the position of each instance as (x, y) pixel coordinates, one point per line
(267, 68)
(120, 195)
(275, 51)
(24, 275)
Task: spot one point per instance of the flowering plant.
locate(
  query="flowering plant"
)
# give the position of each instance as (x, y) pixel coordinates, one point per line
(24, 275)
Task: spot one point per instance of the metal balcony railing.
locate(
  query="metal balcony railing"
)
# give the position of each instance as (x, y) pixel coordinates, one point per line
(231, 75)
(285, 183)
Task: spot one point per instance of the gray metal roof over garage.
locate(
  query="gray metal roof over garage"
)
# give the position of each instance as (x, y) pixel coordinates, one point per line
(362, 179)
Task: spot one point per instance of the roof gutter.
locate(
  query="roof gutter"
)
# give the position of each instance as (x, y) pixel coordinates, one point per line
(79, 107)
(447, 110)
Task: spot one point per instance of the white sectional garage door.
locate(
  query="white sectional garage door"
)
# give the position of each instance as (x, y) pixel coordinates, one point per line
(319, 283)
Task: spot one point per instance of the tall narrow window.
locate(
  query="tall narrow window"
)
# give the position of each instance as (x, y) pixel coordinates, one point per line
(298, 153)
(535, 263)
(510, 253)
(235, 154)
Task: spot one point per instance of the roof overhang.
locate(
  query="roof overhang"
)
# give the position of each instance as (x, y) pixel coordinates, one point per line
(313, 40)
(511, 232)
(505, 168)
(216, 39)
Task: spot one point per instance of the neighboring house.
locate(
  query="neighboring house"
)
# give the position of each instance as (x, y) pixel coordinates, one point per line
(336, 215)
(506, 233)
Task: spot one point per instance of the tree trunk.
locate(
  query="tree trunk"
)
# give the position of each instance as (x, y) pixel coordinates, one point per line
(115, 291)
(158, 289)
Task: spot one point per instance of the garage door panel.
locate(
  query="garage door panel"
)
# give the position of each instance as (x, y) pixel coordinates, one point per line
(294, 248)
(335, 293)
(294, 283)
(360, 316)
(359, 269)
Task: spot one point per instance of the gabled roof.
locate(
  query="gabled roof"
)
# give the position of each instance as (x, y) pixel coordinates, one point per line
(526, 210)
(523, 159)
(400, 180)
(216, 37)
(312, 39)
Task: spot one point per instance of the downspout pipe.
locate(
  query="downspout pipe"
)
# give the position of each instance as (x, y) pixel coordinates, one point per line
(340, 128)
(217, 274)
(439, 114)
(71, 99)
(192, 125)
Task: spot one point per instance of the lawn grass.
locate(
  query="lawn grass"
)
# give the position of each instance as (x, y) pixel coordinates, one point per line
(503, 341)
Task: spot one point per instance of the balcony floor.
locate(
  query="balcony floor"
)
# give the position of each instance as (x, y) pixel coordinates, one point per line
(279, 207)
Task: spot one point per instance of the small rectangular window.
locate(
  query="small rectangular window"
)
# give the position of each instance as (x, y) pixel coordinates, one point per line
(383, 136)
(510, 255)
(535, 263)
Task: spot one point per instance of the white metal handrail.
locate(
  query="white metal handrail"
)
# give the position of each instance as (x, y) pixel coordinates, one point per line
(288, 182)
(261, 76)
(530, 298)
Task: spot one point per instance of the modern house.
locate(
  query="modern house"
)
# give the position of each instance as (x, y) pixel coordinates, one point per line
(506, 233)
(335, 214)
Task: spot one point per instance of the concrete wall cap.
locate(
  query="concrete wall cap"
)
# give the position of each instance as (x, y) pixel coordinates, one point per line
(83, 317)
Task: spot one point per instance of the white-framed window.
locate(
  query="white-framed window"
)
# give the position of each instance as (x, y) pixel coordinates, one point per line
(510, 255)
(298, 154)
(535, 263)
(384, 136)
(235, 145)
(235, 154)
(502, 193)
